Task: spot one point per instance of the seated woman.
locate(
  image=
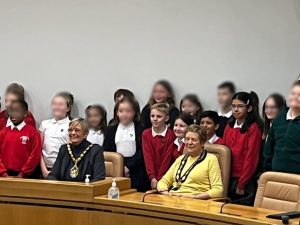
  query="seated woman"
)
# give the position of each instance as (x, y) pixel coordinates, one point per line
(79, 158)
(196, 174)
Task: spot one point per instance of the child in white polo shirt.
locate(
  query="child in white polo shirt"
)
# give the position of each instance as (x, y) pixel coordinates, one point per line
(96, 117)
(54, 132)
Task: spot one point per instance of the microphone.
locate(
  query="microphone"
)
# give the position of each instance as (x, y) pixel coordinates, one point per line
(230, 201)
(149, 193)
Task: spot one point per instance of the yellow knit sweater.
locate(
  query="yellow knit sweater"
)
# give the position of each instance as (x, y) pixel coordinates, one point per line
(204, 178)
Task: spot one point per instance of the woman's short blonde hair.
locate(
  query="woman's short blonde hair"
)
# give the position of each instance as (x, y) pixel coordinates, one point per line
(74, 122)
(201, 131)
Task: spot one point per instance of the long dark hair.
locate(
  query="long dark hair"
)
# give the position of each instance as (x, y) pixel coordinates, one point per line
(279, 102)
(251, 100)
(101, 110)
(136, 108)
(195, 100)
(170, 100)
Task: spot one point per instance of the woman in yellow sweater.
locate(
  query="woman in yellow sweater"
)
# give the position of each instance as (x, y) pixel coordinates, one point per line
(196, 174)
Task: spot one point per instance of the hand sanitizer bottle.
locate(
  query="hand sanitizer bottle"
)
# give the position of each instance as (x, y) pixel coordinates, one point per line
(113, 191)
(87, 179)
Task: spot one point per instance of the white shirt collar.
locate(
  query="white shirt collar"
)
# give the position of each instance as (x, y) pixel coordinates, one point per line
(62, 121)
(236, 125)
(8, 122)
(92, 131)
(126, 127)
(213, 139)
(289, 115)
(161, 134)
(19, 127)
(179, 143)
(228, 115)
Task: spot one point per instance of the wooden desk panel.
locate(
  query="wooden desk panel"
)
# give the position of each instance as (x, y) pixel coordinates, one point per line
(58, 190)
(191, 210)
(13, 214)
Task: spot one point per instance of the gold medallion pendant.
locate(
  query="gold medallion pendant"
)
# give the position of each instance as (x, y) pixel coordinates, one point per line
(74, 171)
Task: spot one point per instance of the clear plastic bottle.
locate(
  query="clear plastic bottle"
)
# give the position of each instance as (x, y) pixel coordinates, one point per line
(87, 179)
(113, 191)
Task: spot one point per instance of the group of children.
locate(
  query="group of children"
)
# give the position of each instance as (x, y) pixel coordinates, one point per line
(151, 139)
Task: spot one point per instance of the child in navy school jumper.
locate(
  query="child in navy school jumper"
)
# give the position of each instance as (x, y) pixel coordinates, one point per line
(226, 90)
(162, 93)
(182, 122)
(158, 144)
(96, 117)
(20, 145)
(243, 136)
(210, 121)
(124, 137)
(14, 92)
(191, 104)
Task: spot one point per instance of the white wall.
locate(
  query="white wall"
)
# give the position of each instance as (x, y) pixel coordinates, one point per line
(92, 47)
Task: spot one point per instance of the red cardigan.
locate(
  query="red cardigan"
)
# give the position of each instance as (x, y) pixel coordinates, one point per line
(158, 153)
(20, 150)
(178, 152)
(245, 150)
(29, 119)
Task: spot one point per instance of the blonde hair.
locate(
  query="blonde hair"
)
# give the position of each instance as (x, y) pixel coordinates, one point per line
(79, 121)
(201, 131)
(161, 107)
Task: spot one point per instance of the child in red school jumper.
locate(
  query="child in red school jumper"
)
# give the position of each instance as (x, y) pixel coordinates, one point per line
(182, 122)
(162, 92)
(243, 135)
(20, 145)
(210, 121)
(14, 92)
(158, 144)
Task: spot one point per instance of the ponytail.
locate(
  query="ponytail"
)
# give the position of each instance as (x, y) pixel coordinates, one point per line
(251, 100)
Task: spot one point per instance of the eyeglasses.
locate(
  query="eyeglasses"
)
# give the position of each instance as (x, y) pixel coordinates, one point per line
(238, 107)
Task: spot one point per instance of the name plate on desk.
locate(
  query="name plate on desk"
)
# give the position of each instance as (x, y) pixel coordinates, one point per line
(58, 190)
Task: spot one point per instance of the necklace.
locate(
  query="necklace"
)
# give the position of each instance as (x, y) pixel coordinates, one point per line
(182, 178)
(75, 170)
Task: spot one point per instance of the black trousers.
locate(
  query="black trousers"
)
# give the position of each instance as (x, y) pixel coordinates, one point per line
(250, 192)
(36, 174)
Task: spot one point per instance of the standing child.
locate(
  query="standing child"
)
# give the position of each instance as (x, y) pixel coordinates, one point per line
(158, 144)
(54, 132)
(14, 92)
(226, 90)
(182, 122)
(210, 121)
(96, 117)
(20, 145)
(271, 108)
(124, 137)
(243, 136)
(162, 93)
(282, 147)
(118, 95)
(191, 104)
